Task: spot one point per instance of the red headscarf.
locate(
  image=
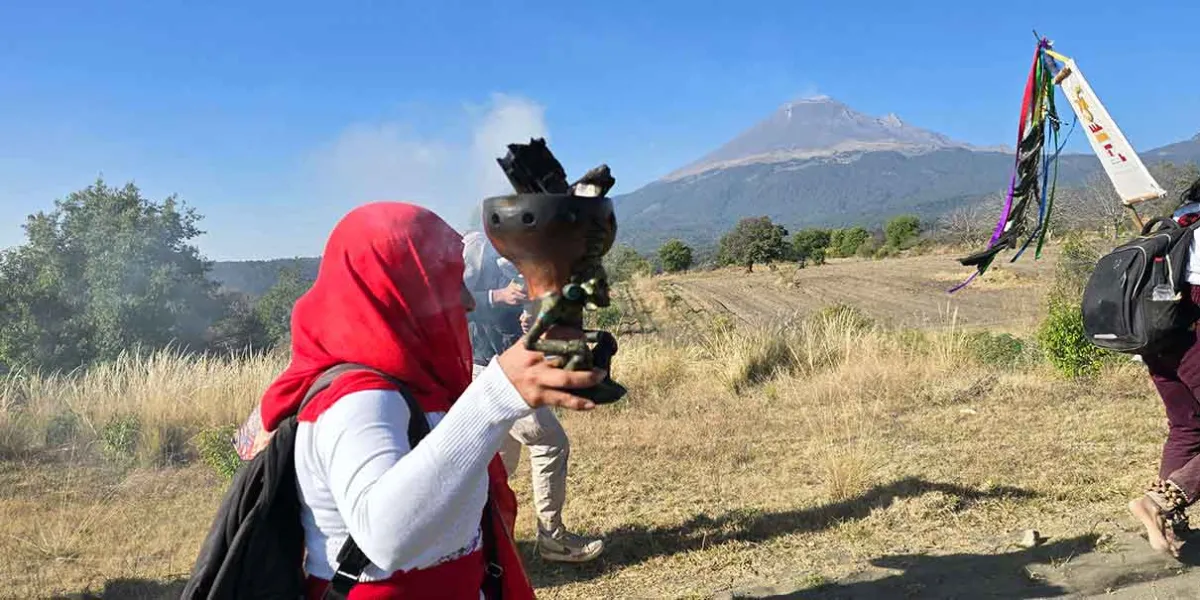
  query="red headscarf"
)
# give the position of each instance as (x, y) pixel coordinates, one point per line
(388, 296)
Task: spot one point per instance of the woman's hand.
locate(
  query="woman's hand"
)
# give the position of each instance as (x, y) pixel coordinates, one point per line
(542, 383)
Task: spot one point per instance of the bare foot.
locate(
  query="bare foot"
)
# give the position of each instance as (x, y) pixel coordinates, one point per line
(1160, 535)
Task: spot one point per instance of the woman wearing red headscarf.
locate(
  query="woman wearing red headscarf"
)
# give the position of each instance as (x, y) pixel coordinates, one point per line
(389, 295)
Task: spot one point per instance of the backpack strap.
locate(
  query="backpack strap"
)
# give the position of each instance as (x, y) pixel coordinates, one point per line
(1165, 222)
(351, 561)
(493, 572)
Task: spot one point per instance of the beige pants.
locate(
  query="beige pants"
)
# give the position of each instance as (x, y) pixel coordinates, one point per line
(549, 450)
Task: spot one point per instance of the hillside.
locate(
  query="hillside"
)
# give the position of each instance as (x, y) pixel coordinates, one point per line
(1180, 152)
(255, 277)
(864, 188)
(817, 162)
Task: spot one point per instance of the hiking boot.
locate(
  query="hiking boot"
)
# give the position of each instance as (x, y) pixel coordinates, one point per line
(564, 546)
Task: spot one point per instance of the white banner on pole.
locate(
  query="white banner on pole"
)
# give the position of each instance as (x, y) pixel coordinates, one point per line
(1129, 176)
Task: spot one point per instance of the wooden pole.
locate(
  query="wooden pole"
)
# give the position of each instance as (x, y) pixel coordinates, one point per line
(1138, 223)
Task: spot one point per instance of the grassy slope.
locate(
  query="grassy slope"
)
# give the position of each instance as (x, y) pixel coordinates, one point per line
(814, 451)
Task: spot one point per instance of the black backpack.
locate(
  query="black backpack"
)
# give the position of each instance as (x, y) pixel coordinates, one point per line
(255, 548)
(1134, 300)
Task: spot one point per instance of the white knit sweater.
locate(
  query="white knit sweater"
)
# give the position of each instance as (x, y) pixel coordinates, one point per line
(407, 509)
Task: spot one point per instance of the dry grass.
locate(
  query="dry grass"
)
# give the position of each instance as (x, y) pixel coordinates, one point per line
(804, 452)
(909, 291)
(149, 406)
(818, 467)
(128, 534)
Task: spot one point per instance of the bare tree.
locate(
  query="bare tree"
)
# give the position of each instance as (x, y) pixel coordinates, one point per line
(1174, 179)
(1095, 205)
(967, 225)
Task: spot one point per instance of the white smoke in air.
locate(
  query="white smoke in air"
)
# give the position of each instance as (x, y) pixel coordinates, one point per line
(449, 174)
(508, 120)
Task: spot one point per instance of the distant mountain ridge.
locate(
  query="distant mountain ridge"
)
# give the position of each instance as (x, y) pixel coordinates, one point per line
(255, 277)
(1179, 152)
(818, 162)
(819, 126)
(813, 162)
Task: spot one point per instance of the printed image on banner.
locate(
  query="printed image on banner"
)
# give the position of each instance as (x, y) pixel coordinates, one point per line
(1129, 176)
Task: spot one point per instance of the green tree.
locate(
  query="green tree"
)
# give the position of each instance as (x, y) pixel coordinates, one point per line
(834, 248)
(675, 256)
(846, 242)
(753, 240)
(274, 309)
(902, 232)
(808, 245)
(869, 247)
(240, 328)
(106, 271)
(623, 262)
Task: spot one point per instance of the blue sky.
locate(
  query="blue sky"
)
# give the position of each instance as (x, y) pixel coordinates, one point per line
(273, 119)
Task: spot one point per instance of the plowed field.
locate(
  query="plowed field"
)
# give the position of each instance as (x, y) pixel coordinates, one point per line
(909, 291)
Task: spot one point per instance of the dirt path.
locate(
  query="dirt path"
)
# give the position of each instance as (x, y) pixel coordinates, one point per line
(1121, 567)
(908, 291)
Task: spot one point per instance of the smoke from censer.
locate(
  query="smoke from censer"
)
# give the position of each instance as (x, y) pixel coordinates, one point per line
(449, 174)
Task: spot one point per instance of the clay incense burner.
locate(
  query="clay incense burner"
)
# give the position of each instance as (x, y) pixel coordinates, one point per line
(557, 240)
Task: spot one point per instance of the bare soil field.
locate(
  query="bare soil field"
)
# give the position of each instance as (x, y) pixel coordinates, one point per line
(909, 291)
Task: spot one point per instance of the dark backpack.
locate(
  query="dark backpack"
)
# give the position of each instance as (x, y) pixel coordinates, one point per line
(255, 548)
(1134, 300)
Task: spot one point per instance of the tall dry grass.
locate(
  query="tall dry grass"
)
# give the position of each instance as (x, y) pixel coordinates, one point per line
(150, 406)
(741, 455)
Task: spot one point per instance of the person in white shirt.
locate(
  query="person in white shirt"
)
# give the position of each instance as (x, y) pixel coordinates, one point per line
(497, 322)
(436, 519)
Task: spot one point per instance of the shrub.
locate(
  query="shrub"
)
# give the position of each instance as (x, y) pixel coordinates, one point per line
(162, 445)
(1063, 341)
(1061, 336)
(846, 315)
(61, 430)
(867, 248)
(605, 318)
(623, 263)
(846, 242)
(1074, 267)
(675, 256)
(17, 437)
(902, 232)
(119, 437)
(887, 252)
(216, 450)
(997, 350)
